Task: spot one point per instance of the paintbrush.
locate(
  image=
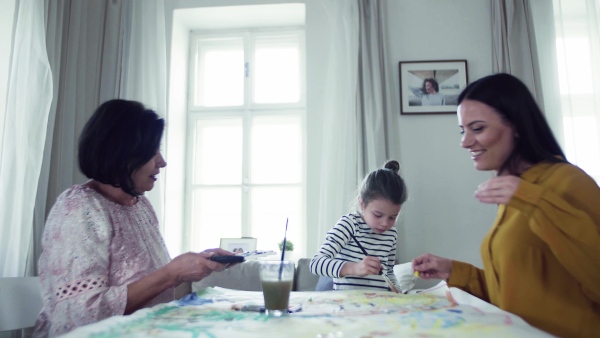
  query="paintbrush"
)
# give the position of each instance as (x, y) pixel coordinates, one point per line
(384, 275)
(283, 248)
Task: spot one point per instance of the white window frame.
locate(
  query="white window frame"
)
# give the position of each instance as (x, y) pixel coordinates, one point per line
(246, 112)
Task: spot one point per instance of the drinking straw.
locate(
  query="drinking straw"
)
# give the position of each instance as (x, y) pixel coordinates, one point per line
(283, 248)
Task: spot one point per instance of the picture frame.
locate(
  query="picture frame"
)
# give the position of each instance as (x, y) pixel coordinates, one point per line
(238, 245)
(417, 91)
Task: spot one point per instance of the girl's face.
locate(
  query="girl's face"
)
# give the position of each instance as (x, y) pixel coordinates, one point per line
(489, 138)
(144, 177)
(379, 214)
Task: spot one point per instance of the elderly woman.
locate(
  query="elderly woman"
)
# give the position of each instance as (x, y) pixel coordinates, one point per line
(103, 254)
(541, 258)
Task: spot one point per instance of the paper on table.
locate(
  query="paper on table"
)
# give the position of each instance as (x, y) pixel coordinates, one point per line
(261, 308)
(250, 255)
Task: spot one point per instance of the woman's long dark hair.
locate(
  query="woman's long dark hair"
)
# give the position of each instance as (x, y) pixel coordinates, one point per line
(507, 95)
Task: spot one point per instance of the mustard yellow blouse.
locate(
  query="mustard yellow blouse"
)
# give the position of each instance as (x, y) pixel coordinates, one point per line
(541, 257)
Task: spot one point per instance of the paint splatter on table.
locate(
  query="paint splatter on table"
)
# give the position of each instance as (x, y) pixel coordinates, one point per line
(210, 313)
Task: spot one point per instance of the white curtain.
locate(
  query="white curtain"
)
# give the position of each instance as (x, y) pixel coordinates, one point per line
(144, 71)
(360, 123)
(568, 41)
(339, 160)
(22, 144)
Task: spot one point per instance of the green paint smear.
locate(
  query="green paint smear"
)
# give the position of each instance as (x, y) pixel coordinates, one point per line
(172, 319)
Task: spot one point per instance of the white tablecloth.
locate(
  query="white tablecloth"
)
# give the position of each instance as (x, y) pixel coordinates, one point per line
(210, 313)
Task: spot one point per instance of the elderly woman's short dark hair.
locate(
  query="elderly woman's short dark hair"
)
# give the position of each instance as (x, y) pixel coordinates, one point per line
(120, 137)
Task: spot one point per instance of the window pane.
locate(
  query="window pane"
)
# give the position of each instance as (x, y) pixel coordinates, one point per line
(216, 213)
(218, 151)
(269, 209)
(582, 146)
(276, 150)
(220, 73)
(576, 78)
(277, 70)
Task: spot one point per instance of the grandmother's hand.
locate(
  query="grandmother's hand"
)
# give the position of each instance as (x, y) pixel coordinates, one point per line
(192, 267)
(497, 190)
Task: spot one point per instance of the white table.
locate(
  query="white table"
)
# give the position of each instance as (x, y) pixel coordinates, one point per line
(209, 313)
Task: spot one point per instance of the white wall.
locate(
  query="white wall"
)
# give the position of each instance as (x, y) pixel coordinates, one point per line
(441, 217)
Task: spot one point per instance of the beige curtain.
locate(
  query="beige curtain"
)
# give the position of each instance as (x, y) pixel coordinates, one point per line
(98, 50)
(377, 115)
(83, 49)
(512, 35)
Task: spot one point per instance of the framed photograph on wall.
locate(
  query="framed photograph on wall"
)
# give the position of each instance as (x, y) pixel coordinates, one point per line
(238, 245)
(431, 87)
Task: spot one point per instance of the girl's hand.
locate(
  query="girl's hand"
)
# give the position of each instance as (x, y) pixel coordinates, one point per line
(431, 266)
(497, 190)
(368, 266)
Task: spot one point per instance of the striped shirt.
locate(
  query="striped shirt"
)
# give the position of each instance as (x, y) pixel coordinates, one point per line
(339, 247)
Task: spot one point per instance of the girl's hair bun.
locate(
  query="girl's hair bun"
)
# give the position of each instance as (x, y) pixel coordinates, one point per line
(392, 165)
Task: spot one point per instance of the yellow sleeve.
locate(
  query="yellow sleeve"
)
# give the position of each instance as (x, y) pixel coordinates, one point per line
(470, 279)
(564, 212)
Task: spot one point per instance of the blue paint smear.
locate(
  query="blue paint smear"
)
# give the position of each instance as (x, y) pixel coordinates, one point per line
(193, 299)
(455, 310)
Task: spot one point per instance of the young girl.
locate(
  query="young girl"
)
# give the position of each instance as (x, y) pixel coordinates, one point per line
(369, 229)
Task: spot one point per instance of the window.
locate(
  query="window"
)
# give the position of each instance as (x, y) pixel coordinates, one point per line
(576, 45)
(245, 172)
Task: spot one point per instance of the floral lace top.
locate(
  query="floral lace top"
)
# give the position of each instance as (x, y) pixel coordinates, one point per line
(93, 248)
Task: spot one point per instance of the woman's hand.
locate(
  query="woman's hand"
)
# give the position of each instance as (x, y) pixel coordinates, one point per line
(431, 266)
(497, 190)
(189, 267)
(368, 266)
(218, 252)
(192, 267)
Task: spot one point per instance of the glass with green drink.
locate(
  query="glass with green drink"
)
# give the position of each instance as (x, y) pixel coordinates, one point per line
(277, 278)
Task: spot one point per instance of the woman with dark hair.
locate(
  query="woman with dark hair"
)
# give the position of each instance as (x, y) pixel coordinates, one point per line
(430, 93)
(103, 254)
(541, 258)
